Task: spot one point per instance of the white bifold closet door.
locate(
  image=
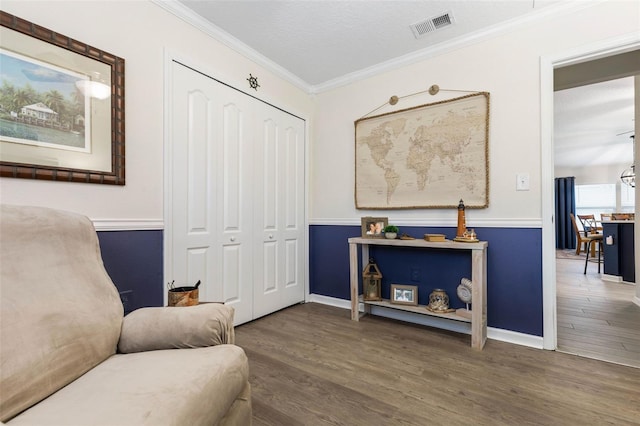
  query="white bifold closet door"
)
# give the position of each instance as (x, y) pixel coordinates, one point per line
(236, 196)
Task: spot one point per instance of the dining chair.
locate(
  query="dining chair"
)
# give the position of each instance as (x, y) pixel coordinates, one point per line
(593, 236)
(589, 224)
(580, 238)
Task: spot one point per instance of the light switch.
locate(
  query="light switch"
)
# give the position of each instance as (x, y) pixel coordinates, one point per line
(522, 182)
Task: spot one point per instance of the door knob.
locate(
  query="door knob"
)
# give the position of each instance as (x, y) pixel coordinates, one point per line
(271, 236)
(232, 238)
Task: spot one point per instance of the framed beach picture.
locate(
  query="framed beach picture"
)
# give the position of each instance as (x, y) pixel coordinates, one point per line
(61, 107)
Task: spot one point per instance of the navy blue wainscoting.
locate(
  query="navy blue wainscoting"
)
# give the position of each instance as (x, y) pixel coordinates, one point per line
(514, 270)
(133, 260)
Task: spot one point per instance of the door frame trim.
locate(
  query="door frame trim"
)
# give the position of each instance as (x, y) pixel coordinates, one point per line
(548, 63)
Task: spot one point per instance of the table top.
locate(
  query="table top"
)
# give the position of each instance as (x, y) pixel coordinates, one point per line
(479, 245)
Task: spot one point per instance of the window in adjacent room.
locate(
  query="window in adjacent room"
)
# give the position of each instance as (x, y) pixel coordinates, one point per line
(595, 199)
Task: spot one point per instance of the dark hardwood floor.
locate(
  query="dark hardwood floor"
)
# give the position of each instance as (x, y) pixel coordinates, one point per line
(311, 365)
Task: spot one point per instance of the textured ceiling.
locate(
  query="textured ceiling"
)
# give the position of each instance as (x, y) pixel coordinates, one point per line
(318, 44)
(593, 124)
(319, 41)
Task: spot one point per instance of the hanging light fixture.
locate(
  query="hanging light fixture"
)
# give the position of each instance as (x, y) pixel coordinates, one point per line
(628, 176)
(94, 88)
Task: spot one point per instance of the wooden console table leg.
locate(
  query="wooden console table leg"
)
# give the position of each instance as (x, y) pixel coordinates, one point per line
(479, 299)
(353, 272)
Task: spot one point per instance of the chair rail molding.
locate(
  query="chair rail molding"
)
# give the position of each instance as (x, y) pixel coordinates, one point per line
(438, 222)
(128, 224)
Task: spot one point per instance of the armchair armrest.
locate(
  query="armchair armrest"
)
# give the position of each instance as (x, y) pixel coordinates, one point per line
(148, 329)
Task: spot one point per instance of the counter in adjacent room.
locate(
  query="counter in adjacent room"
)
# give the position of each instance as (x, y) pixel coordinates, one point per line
(619, 259)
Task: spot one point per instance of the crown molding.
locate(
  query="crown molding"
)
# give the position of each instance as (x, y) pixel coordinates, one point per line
(187, 15)
(453, 44)
(183, 12)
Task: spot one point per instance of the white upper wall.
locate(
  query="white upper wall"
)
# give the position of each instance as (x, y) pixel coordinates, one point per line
(593, 175)
(507, 66)
(140, 32)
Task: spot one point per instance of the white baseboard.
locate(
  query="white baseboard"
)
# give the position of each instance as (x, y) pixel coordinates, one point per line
(611, 278)
(514, 337)
(636, 300)
(331, 301)
(460, 327)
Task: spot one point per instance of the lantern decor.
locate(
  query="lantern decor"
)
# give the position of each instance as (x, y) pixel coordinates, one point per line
(371, 282)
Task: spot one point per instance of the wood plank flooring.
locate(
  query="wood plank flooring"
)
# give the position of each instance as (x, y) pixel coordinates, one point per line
(311, 365)
(596, 318)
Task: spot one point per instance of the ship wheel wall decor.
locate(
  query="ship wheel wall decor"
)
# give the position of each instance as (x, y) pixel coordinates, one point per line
(253, 82)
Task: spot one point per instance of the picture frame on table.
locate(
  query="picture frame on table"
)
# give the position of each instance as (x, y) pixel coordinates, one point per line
(66, 119)
(404, 294)
(373, 227)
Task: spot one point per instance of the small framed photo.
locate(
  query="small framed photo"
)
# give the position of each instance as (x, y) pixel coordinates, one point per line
(373, 227)
(404, 294)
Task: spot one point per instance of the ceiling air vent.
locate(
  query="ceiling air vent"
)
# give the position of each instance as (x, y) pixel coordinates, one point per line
(429, 25)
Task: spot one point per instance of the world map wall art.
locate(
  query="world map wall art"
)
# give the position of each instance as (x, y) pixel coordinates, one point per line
(429, 156)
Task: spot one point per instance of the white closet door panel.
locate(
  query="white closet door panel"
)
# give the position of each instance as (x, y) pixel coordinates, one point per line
(192, 195)
(234, 213)
(270, 271)
(282, 230)
(197, 268)
(291, 179)
(234, 283)
(210, 224)
(291, 263)
(269, 175)
(293, 210)
(198, 188)
(267, 244)
(267, 288)
(232, 190)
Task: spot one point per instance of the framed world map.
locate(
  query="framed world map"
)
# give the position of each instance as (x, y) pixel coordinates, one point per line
(429, 156)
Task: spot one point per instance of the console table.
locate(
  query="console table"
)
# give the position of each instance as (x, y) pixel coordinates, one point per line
(478, 253)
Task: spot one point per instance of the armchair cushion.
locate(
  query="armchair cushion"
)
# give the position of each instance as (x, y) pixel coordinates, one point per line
(168, 387)
(149, 329)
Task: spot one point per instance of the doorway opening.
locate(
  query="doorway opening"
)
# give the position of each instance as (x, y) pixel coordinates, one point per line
(554, 71)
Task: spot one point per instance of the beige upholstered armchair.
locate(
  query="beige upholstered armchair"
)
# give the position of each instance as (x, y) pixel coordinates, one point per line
(69, 357)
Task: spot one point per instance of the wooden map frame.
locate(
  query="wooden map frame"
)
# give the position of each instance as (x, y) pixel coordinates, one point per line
(426, 114)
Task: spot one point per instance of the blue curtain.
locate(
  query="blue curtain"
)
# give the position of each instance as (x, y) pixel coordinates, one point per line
(565, 188)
